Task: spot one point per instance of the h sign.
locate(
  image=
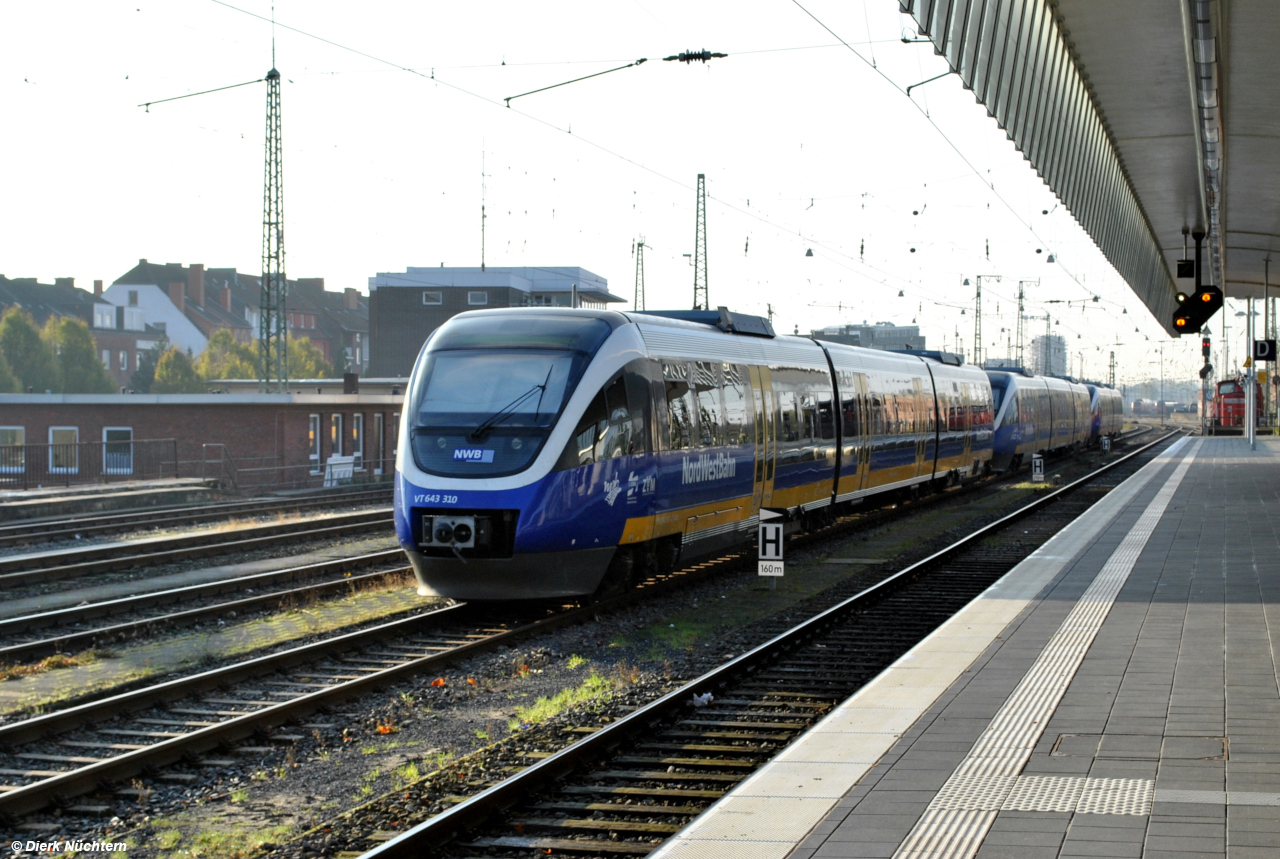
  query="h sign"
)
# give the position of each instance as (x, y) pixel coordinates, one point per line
(770, 543)
(1264, 350)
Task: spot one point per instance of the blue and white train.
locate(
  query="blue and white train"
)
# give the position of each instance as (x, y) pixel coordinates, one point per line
(555, 452)
(560, 453)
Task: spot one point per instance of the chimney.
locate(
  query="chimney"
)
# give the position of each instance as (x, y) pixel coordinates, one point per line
(351, 298)
(97, 289)
(177, 294)
(195, 283)
(225, 298)
(142, 261)
(64, 281)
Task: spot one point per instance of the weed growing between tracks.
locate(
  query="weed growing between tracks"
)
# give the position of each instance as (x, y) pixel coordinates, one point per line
(50, 663)
(200, 649)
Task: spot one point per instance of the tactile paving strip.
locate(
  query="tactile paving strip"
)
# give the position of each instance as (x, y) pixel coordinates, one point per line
(1004, 748)
(1115, 796)
(1044, 793)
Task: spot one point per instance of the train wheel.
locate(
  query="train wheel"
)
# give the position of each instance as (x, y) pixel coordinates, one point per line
(668, 554)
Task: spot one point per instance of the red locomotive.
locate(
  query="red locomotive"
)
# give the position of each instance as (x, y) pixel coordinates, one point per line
(1229, 402)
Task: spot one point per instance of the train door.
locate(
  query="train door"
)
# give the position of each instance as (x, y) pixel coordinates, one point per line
(766, 442)
(863, 410)
(920, 425)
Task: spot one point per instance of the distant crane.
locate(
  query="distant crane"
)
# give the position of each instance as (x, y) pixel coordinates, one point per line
(700, 300)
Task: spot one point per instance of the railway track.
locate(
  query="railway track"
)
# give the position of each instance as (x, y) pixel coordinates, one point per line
(93, 524)
(39, 567)
(626, 787)
(138, 615)
(57, 756)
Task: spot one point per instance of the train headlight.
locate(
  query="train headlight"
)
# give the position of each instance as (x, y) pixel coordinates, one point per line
(444, 534)
(440, 443)
(516, 443)
(462, 532)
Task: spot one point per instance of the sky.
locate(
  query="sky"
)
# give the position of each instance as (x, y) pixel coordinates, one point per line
(396, 132)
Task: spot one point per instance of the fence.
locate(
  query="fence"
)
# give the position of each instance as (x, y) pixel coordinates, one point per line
(264, 474)
(31, 466)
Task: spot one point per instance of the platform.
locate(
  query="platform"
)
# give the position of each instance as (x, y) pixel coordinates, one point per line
(1114, 695)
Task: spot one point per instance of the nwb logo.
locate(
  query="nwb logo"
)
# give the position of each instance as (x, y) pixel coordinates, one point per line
(472, 454)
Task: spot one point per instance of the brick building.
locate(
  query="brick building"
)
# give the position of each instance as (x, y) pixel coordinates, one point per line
(405, 307)
(119, 333)
(267, 439)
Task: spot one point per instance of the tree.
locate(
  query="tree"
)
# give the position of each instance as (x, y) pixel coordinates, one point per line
(307, 362)
(145, 376)
(9, 383)
(176, 374)
(78, 363)
(29, 357)
(224, 358)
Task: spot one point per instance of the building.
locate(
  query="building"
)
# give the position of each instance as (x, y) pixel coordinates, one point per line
(253, 441)
(405, 307)
(1050, 361)
(119, 333)
(882, 335)
(189, 303)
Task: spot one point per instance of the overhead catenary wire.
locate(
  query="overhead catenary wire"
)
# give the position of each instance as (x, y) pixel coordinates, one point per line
(147, 104)
(746, 211)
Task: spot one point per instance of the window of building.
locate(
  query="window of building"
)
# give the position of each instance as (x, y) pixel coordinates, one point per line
(375, 452)
(124, 359)
(117, 450)
(106, 358)
(395, 434)
(64, 450)
(477, 298)
(133, 298)
(313, 442)
(104, 317)
(133, 320)
(433, 297)
(13, 456)
(335, 435)
(357, 441)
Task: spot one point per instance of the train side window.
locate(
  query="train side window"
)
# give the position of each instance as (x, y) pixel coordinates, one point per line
(618, 433)
(710, 408)
(789, 425)
(737, 418)
(680, 409)
(581, 449)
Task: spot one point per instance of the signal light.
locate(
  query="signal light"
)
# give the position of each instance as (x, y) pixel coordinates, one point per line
(1195, 311)
(1181, 296)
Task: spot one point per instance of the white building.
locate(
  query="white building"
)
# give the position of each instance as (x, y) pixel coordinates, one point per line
(151, 305)
(1051, 361)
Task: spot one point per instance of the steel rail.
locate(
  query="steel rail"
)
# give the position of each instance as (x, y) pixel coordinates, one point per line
(475, 810)
(72, 641)
(45, 530)
(24, 569)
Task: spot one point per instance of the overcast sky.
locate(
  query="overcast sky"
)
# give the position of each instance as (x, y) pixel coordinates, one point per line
(807, 144)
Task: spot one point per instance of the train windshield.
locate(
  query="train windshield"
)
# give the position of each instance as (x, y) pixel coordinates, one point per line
(491, 389)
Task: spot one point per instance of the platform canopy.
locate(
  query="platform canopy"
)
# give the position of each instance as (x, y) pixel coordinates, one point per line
(1145, 117)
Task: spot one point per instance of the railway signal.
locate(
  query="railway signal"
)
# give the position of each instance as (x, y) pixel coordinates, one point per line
(1196, 309)
(770, 544)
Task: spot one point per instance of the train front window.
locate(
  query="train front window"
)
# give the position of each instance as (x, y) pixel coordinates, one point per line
(490, 391)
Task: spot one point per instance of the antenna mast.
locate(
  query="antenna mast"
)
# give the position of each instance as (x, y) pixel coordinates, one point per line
(639, 300)
(700, 300)
(273, 346)
(483, 190)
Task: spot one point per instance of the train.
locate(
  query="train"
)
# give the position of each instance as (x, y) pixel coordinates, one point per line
(566, 453)
(1228, 407)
